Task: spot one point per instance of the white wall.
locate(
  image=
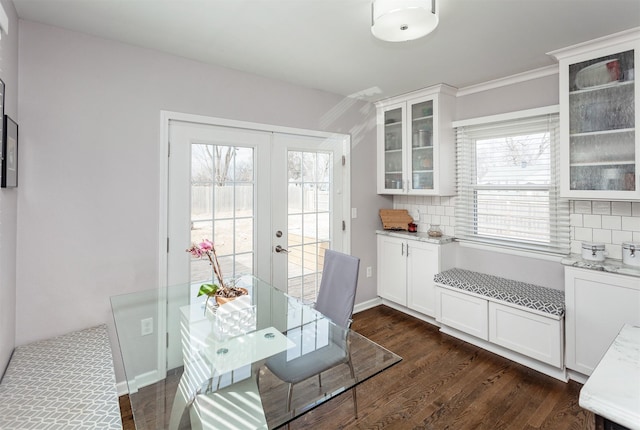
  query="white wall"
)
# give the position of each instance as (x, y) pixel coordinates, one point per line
(542, 91)
(90, 123)
(9, 196)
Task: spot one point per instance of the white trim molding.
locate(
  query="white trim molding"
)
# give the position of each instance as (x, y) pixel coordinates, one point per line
(600, 43)
(546, 110)
(509, 80)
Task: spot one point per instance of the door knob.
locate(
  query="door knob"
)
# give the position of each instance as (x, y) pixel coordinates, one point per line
(281, 249)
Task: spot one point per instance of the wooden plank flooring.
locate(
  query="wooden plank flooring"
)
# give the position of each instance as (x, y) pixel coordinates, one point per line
(442, 383)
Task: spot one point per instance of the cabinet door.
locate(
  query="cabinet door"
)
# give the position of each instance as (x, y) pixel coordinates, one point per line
(421, 153)
(530, 334)
(597, 306)
(463, 312)
(422, 265)
(599, 113)
(392, 269)
(391, 149)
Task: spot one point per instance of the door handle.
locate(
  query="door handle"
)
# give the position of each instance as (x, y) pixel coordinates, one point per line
(281, 249)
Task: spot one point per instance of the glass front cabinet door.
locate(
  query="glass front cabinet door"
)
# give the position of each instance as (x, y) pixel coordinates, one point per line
(599, 112)
(416, 152)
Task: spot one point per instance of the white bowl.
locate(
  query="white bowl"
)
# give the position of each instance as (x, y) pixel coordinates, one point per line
(602, 73)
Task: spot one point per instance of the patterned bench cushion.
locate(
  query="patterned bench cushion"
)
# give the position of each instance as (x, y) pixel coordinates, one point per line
(66, 382)
(523, 294)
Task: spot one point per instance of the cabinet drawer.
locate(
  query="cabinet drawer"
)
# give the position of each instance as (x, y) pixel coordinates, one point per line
(462, 312)
(530, 334)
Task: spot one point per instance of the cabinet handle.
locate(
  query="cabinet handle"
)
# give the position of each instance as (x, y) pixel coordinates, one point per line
(402, 252)
(407, 249)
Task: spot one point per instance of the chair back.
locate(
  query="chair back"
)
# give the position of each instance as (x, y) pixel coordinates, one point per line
(338, 287)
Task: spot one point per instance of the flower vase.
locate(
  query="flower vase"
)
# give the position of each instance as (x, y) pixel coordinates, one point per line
(221, 300)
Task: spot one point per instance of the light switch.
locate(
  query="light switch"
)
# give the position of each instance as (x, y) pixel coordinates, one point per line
(146, 326)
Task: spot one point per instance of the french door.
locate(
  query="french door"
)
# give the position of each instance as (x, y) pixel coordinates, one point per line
(307, 210)
(271, 201)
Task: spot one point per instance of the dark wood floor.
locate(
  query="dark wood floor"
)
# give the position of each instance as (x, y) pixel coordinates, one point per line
(442, 383)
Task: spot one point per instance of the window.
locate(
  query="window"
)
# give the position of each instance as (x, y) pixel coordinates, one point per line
(508, 187)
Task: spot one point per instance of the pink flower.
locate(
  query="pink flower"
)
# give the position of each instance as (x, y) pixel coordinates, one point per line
(206, 248)
(196, 251)
(206, 245)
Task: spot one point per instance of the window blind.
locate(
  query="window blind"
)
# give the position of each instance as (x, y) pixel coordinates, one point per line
(508, 185)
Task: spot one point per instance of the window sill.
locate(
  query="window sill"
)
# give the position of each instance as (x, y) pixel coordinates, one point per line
(512, 251)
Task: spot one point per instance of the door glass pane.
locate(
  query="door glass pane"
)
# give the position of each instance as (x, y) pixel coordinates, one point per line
(602, 123)
(309, 220)
(222, 202)
(393, 149)
(323, 220)
(422, 145)
(310, 229)
(323, 168)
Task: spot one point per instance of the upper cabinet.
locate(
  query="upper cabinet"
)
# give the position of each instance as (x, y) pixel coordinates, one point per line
(416, 150)
(600, 150)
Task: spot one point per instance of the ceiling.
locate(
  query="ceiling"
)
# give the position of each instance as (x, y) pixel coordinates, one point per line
(327, 44)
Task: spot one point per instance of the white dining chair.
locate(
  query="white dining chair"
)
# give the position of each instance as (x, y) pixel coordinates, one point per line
(335, 301)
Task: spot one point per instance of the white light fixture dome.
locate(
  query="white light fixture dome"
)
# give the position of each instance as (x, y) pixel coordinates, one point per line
(402, 20)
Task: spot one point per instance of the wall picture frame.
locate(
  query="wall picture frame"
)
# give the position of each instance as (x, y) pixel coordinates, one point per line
(1, 127)
(10, 153)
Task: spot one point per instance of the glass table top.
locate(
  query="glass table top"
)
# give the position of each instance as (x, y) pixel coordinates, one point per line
(188, 365)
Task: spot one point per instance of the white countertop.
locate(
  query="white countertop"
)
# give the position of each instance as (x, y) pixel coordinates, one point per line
(608, 265)
(420, 236)
(613, 389)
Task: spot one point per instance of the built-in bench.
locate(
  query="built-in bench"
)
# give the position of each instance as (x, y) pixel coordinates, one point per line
(521, 321)
(66, 382)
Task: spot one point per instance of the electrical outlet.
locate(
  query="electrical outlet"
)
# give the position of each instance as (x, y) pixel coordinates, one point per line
(369, 272)
(146, 326)
(354, 213)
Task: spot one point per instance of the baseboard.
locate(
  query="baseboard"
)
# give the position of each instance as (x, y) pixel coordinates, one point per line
(139, 381)
(411, 312)
(554, 372)
(122, 388)
(577, 376)
(359, 307)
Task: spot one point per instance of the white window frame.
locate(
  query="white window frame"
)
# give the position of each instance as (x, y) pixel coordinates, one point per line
(466, 203)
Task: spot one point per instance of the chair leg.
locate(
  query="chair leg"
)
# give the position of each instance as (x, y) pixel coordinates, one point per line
(289, 398)
(353, 390)
(355, 402)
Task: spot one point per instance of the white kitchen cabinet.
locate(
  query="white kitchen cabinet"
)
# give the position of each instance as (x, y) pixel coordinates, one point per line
(406, 268)
(416, 149)
(598, 304)
(527, 333)
(464, 312)
(599, 112)
(522, 322)
(392, 269)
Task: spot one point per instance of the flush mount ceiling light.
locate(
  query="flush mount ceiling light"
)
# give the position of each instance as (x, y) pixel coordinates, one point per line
(402, 20)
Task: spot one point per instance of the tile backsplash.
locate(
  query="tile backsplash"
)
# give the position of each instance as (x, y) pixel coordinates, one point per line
(606, 222)
(427, 210)
(610, 223)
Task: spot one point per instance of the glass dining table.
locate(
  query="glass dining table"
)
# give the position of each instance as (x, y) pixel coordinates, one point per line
(190, 365)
